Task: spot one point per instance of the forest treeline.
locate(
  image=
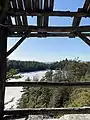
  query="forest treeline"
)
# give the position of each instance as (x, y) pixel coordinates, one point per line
(70, 71)
(30, 66)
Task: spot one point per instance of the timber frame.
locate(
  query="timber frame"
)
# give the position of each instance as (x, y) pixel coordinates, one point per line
(14, 23)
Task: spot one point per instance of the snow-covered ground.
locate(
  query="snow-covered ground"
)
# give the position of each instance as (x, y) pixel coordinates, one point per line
(15, 92)
(76, 117)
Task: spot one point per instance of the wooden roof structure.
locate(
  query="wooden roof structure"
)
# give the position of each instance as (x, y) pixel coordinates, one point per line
(14, 23)
(17, 19)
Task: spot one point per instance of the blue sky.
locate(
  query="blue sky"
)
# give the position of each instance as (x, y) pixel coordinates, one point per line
(53, 49)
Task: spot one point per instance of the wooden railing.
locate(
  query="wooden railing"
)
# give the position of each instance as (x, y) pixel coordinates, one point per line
(48, 84)
(17, 113)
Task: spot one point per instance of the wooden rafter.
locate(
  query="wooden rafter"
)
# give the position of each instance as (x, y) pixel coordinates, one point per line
(17, 44)
(84, 38)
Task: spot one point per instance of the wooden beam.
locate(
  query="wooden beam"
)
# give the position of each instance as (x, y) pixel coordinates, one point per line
(4, 11)
(27, 5)
(84, 38)
(46, 35)
(86, 5)
(17, 18)
(39, 18)
(17, 44)
(48, 84)
(76, 20)
(19, 22)
(24, 17)
(45, 18)
(37, 5)
(47, 111)
(34, 4)
(9, 20)
(51, 13)
(3, 49)
(20, 4)
(23, 28)
(51, 5)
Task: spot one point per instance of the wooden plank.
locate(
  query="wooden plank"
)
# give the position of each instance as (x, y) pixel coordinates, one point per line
(46, 35)
(10, 6)
(40, 4)
(48, 111)
(17, 18)
(3, 49)
(37, 5)
(39, 21)
(20, 4)
(24, 17)
(46, 5)
(49, 84)
(39, 18)
(51, 5)
(16, 21)
(14, 5)
(34, 5)
(19, 21)
(18, 28)
(46, 18)
(28, 6)
(9, 20)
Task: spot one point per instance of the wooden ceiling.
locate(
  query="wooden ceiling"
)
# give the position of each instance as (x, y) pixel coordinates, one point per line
(17, 19)
(25, 7)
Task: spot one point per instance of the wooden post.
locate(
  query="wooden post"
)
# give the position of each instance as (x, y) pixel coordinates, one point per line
(3, 50)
